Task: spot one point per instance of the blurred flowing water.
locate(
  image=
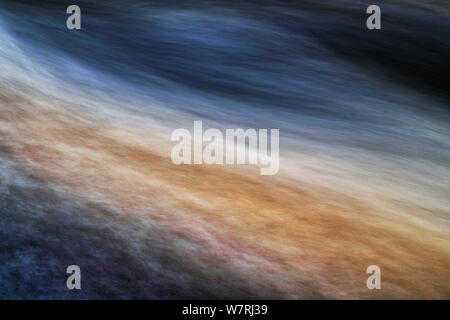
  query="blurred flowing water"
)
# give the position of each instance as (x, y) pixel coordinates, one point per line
(86, 178)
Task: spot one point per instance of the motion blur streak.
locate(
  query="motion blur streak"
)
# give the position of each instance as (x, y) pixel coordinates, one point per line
(86, 176)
